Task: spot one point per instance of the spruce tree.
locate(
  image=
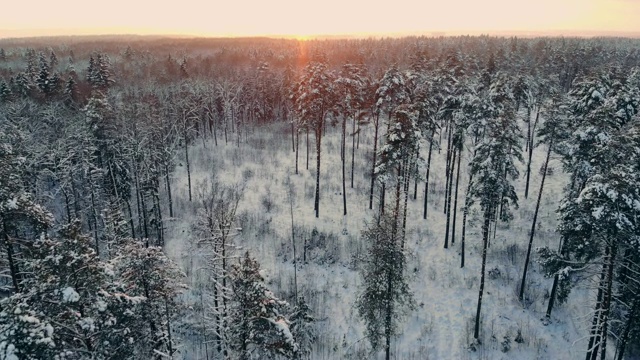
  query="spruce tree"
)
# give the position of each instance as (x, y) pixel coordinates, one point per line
(386, 297)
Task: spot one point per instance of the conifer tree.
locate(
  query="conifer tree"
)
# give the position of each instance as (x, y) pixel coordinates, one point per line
(495, 157)
(314, 99)
(258, 325)
(385, 298)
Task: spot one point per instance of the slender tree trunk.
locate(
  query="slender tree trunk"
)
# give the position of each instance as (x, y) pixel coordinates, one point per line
(204, 329)
(592, 348)
(407, 182)
(426, 181)
(467, 204)
(455, 201)
(526, 188)
(168, 184)
(625, 336)
(389, 314)
(307, 148)
(607, 300)
(375, 153)
(485, 241)
(447, 170)
(448, 197)
(293, 243)
(169, 340)
(293, 140)
(318, 148)
(297, 149)
(353, 149)
(343, 156)
(131, 223)
(215, 131)
(533, 226)
(95, 221)
(145, 219)
(186, 155)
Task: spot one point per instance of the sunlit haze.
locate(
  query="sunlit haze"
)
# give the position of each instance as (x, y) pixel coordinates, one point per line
(327, 17)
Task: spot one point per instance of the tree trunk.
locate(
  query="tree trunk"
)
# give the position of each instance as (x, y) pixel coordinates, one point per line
(307, 148)
(467, 203)
(607, 300)
(297, 149)
(455, 200)
(133, 227)
(592, 348)
(293, 140)
(318, 148)
(448, 197)
(407, 182)
(447, 169)
(186, 155)
(215, 131)
(168, 184)
(376, 124)
(343, 158)
(533, 226)
(353, 149)
(426, 182)
(625, 336)
(485, 240)
(95, 221)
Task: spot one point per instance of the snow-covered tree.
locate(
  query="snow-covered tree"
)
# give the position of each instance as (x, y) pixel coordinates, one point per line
(147, 272)
(493, 167)
(72, 303)
(385, 298)
(314, 98)
(259, 327)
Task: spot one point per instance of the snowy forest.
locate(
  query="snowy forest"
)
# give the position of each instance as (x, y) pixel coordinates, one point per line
(255, 198)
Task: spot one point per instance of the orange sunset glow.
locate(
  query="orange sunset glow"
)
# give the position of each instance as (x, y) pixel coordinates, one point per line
(331, 17)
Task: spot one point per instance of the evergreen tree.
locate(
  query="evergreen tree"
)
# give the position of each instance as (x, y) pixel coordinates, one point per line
(5, 92)
(303, 329)
(314, 99)
(258, 325)
(147, 272)
(80, 308)
(385, 298)
(493, 167)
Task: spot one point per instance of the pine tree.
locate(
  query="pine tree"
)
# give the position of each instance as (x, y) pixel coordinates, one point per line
(303, 329)
(78, 303)
(385, 298)
(314, 99)
(258, 326)
(5, 92)
(599, 202)
(147, 272)
(493, 167)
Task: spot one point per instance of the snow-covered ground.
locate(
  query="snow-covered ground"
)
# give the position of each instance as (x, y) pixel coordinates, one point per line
(442, 325)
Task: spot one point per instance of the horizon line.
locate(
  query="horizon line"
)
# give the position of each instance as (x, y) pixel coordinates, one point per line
(9, 34)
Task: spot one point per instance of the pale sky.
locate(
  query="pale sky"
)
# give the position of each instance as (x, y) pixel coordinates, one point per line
(321, 17)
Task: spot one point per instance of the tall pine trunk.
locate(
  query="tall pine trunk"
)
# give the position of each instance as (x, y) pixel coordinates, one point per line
(485, 240)
(375, 154)
(426, 181)
(455, 199)
(318, 147)
(448, 197)
(186, 155)
(343, 158)
(353, 149)
(533, 226)
(446, 184)
(465, 213)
